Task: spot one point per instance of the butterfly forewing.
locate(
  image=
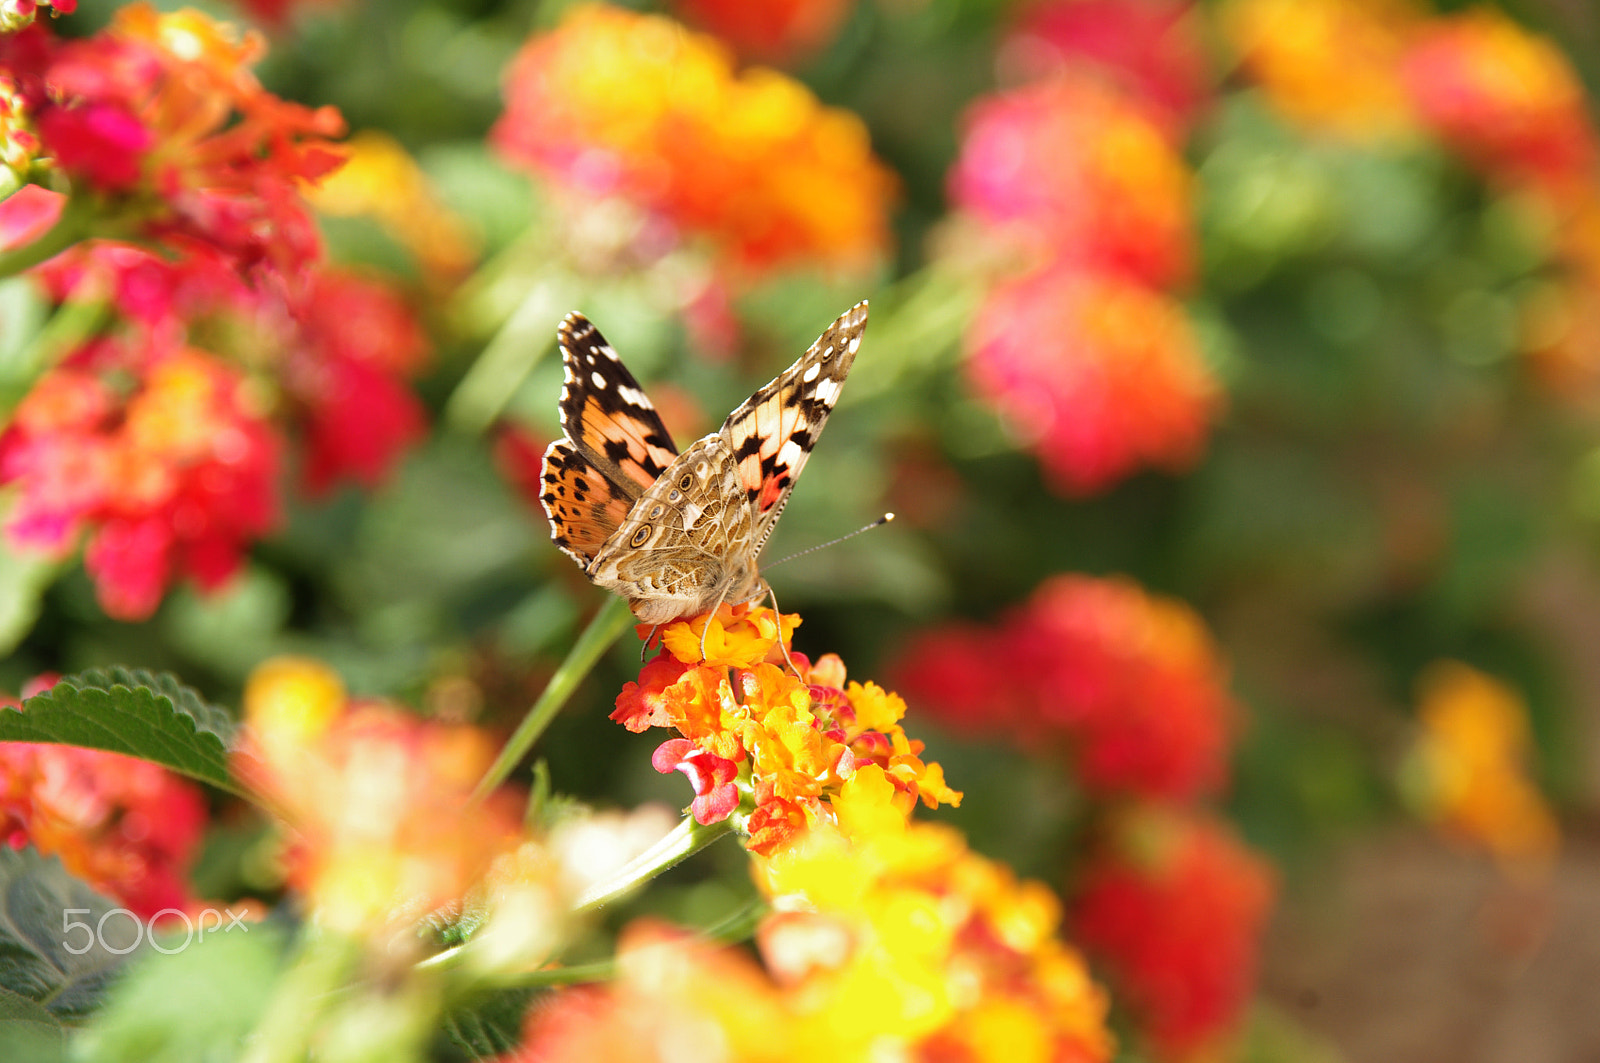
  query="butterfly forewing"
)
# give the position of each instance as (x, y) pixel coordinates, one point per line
(678, 534)
(773, 431)
(606, 414)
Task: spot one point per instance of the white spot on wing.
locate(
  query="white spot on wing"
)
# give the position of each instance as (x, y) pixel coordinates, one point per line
(635, 396)
(855, 344)
(828, 391)
(692, 512)
(811, 374)
(789, 454)
(597, 380)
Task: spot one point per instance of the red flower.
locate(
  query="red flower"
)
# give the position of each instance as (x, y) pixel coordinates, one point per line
(1506, 98)
(1126, 686)
(1149, 48)
(172, 474)
(101, 141)
(715, 794)
(769, 30)
(1175, 913)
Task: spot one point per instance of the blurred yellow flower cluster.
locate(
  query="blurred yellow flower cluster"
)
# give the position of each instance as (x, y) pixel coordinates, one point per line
(1469, 771)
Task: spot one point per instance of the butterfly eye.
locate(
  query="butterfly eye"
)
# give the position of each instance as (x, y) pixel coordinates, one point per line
(656, 511)
(640, 537)
(673, 495)
(687, 481)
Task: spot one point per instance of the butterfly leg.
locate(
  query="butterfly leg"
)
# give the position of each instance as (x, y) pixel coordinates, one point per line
(648, 639)
(785, 649)
(705, 627)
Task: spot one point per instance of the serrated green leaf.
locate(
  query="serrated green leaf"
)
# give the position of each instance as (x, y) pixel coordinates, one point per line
(46, 915)
(143, 714)
(28, 1030)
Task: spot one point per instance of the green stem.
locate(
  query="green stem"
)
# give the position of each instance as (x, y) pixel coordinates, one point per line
(609, 623)
(508, 358)
(73, 225)
(320, 965)
(686, 839)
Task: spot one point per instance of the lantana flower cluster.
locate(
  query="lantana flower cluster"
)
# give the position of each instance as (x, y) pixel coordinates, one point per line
(752, 730)
(1126, 690)
(617, 105)
(885, 935)
(1076, 194)
(157, 432)
(1504, 99)
(129, 828)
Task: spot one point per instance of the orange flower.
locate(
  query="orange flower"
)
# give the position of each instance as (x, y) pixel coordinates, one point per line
(1331, 66)
(1468, 772)
(613, 103)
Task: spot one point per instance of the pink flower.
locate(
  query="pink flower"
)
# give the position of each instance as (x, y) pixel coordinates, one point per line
(715, 794)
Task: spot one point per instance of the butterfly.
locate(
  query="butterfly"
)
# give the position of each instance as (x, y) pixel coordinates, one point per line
(679, 534)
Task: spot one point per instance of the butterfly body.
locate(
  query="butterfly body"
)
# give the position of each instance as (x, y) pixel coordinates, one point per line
(679, 534)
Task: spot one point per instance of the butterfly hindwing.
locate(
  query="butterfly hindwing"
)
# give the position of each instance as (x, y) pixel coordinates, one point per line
(605, 413)
(773, 431)
(584, 507)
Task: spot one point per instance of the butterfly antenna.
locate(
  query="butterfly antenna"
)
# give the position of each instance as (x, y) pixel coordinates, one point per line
(880, 522)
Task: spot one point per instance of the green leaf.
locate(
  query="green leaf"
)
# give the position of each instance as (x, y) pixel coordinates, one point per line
(197, 1001)
(46, 917)
(143, 714)
(28, 1030)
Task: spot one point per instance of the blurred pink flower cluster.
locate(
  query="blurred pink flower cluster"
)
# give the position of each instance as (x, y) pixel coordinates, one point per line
(1076, 189)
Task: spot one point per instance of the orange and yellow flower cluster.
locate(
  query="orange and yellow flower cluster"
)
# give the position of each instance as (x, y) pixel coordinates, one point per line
(887, 937)
(1077, 192)
(129, 828)
(377, 800)
(751, 730)
(617, 104)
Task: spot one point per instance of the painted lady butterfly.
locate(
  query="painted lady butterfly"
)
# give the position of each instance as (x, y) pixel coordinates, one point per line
(679, 534)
